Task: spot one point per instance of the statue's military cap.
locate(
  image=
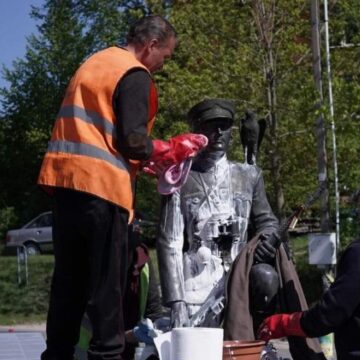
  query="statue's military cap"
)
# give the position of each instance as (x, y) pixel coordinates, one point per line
(210, 109)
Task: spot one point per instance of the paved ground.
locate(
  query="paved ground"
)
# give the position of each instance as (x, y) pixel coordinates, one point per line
(22, 342)
(282, 348)
(40, 327)
(281, 345)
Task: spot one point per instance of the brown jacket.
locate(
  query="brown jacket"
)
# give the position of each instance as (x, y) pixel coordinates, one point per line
(238, 324)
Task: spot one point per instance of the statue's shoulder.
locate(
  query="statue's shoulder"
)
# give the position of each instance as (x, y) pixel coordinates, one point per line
(244, 178)
(241, 169)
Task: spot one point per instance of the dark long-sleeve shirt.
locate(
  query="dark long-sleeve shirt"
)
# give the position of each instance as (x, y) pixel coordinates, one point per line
(131, 106)
(339, 309)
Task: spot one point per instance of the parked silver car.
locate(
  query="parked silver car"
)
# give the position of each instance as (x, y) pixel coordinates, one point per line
(36, 236)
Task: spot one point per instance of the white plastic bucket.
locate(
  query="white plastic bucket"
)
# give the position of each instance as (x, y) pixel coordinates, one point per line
(196, 343)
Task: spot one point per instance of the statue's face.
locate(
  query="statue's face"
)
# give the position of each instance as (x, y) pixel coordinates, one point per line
(218, 131)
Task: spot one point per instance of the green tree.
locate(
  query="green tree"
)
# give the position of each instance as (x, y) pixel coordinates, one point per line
(69, 31)
(344, 21)
(37, 84)
(255, 52)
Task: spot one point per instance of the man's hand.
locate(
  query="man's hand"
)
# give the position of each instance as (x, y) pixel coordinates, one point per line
(265, 251)
(142, 332)
(179, 315)
(281, 325)
(187, 145)
(161, 157)
(173, 152)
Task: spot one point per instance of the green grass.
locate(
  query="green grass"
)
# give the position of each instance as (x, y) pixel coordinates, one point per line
(19, 319)
(20, 303)
(309, 275)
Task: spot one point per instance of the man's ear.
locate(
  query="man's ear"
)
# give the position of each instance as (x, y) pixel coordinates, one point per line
(231, 138)
(153, 43)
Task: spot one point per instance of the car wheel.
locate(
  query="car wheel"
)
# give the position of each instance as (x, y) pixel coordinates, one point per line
(32, 249)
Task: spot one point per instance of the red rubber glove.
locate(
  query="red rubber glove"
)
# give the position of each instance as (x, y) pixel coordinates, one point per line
(174, 152)
(161, 157)
(187, 145)
(281, 325)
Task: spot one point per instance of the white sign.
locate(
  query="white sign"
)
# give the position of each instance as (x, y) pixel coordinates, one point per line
(322, 249)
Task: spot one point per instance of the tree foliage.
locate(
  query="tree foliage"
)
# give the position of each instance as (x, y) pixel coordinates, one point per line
(69, 31)
(255, 52)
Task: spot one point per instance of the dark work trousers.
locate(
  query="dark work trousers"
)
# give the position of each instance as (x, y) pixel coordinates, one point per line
(90, 248)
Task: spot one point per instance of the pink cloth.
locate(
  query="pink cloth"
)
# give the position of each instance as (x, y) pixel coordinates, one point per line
(174, 177)
(171, 161)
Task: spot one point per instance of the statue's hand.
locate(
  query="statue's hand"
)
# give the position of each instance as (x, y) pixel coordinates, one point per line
(179, 315)
(265, 251)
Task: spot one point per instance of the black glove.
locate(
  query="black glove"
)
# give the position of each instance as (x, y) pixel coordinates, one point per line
(179, 315)
(265, 252)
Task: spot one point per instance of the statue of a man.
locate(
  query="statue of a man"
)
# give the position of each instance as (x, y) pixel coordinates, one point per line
(204, 224)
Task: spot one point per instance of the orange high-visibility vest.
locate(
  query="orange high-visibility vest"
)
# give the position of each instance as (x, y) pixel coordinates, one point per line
(82, 153)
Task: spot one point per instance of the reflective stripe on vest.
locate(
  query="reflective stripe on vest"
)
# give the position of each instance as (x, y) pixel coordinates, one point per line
(88, 116)
(88, 150)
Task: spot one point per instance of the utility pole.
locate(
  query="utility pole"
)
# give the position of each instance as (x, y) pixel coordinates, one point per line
(327, 342)
(331, 105)
(320, 122)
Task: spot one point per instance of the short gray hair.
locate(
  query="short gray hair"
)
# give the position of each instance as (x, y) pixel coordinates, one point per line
(148, 28)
